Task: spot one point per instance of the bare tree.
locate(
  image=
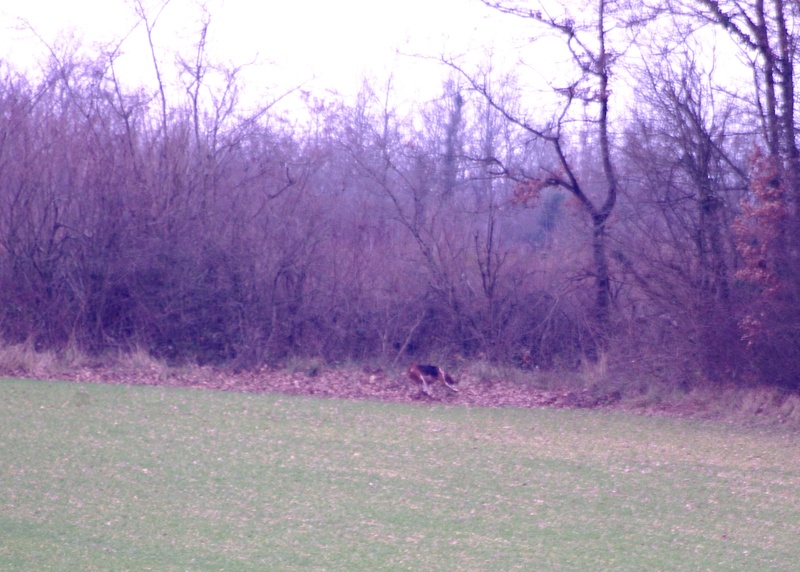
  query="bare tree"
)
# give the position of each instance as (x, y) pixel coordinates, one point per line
(685, 181)
(770, 221)
(586, 37)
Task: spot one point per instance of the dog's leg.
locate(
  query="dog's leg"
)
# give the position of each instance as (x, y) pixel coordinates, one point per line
(443, 378)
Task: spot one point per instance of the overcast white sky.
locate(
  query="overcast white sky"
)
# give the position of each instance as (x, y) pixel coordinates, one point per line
(321, 44)
(334, 41)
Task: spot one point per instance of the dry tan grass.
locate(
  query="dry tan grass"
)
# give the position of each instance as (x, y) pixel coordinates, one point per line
(22, 360)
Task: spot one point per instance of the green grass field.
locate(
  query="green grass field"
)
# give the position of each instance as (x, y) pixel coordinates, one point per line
(96, 477)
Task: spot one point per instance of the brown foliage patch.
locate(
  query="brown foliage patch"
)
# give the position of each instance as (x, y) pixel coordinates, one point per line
(344, 383)
(480, 385)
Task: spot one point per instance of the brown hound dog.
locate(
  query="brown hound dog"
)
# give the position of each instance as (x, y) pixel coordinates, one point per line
(424, 375)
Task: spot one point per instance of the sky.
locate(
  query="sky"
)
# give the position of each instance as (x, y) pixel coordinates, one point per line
(320, 46)
(323, 45)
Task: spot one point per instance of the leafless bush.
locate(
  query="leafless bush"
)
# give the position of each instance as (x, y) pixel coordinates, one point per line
(195, 231)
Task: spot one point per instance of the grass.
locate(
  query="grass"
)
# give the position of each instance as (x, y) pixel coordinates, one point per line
(96, 477)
